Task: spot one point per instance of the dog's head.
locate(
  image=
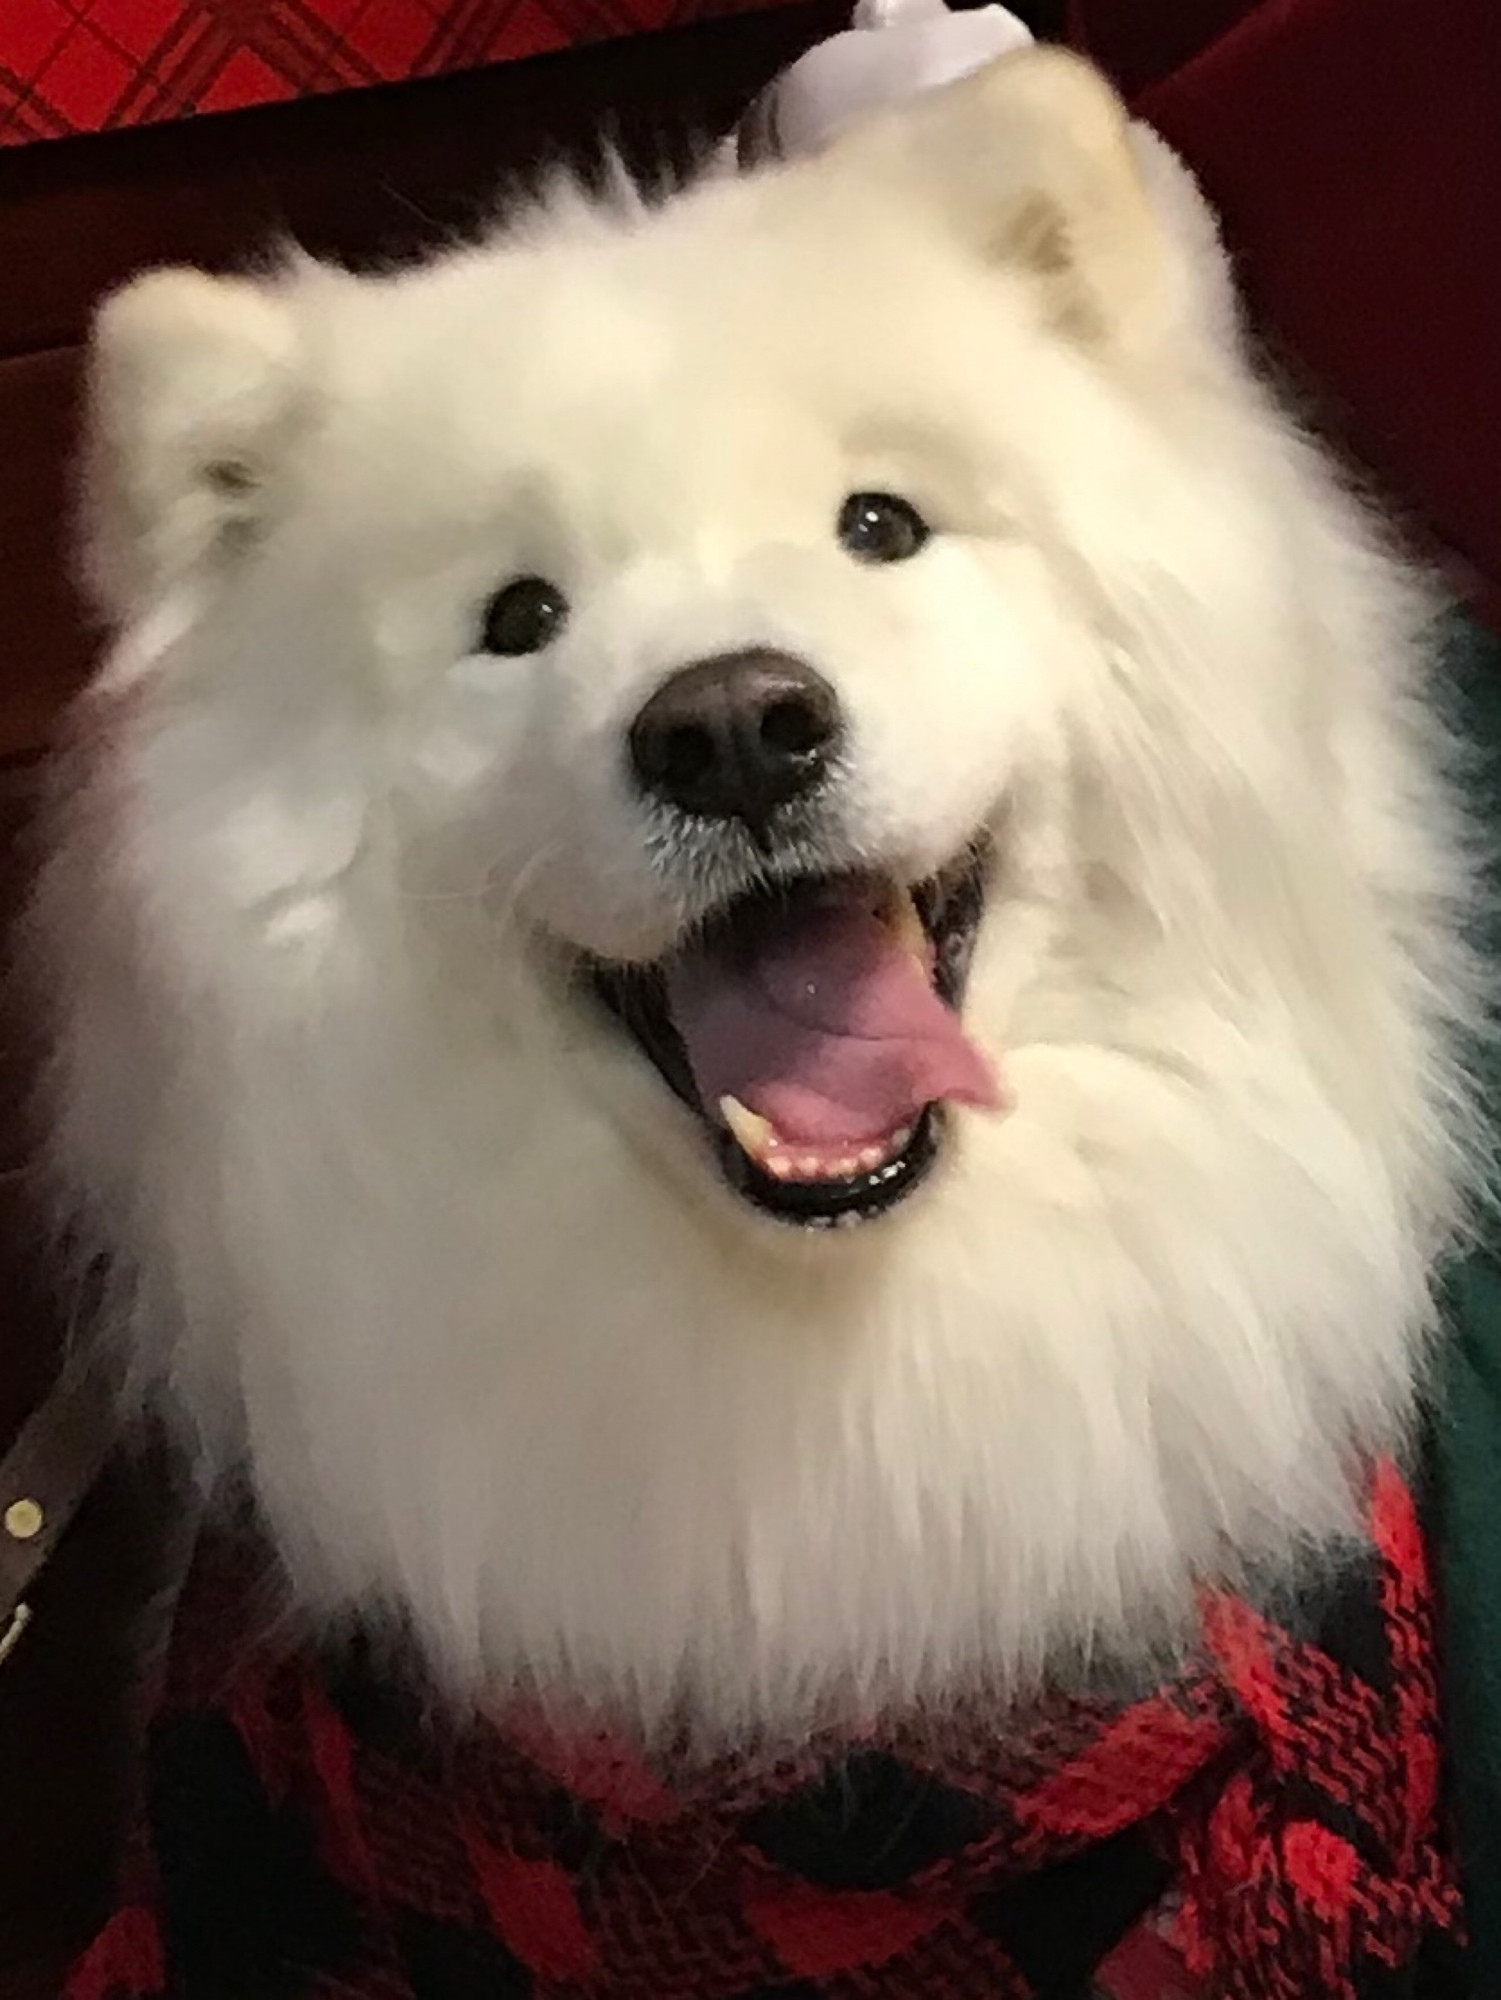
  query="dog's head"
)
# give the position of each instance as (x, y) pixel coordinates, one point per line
(712, 589)
(678, 713)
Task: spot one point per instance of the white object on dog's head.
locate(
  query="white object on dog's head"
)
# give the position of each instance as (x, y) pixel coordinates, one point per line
(891, 49)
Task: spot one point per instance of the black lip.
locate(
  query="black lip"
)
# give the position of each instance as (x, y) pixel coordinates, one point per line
(950, 905)
(836, 1204)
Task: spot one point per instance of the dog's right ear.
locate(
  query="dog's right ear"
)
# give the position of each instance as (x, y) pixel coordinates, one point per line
(1030, 161)
(195, 393)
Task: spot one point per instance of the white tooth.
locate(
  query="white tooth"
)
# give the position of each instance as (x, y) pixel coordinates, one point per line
(845, 1167)
(899, 1139)
(908, 926)
(872, 1157)
(779, 1165)
(752, 1132)
(810, 1168)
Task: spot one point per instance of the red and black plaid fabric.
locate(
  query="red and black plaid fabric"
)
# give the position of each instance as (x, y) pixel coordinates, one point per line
(69, 66)
(1266, 1828)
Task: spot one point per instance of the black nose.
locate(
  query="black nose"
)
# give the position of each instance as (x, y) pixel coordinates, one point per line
(736, 737)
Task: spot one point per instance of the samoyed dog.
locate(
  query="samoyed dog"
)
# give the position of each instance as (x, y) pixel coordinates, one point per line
(756, 949)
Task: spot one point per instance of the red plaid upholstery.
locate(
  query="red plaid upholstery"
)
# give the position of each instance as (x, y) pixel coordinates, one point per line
(69, 66)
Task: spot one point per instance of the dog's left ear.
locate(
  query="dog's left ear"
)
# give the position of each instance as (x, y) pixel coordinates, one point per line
(196, 394)
(1031, 158)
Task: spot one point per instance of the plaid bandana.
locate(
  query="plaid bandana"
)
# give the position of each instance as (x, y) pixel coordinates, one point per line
(1265, 1828)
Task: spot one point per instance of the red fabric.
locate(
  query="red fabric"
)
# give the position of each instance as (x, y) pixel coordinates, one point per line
(1266, 1828)
(70, 66)
(1353, 148)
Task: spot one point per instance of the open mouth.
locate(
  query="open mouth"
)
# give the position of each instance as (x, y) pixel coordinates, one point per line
(815, 1029)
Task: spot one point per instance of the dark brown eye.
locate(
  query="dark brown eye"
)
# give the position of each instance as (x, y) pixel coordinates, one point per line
(523, 617)
(881, 528)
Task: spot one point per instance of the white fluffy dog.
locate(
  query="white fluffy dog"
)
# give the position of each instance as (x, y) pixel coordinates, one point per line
(832, 699)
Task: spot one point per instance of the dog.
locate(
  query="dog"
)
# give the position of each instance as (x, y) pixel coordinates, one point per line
(756, 943)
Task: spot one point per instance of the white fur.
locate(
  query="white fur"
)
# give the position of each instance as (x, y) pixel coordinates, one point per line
(432, 1250)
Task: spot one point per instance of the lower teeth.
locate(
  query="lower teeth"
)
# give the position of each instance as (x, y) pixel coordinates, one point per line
(762, 1144)
(785, 1165)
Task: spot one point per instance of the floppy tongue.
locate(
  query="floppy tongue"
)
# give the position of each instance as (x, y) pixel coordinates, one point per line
(821, 1020)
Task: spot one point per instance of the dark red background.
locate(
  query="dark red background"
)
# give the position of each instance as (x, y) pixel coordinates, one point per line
(1353, 148)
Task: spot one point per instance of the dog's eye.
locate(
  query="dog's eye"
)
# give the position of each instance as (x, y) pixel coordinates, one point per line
(522, 617)
(881, 527)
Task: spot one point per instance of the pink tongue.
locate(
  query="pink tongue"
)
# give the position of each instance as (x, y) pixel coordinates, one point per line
(825, 1024)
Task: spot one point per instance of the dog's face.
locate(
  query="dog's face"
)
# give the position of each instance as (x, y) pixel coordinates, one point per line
(718, 654)
(711, 610)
